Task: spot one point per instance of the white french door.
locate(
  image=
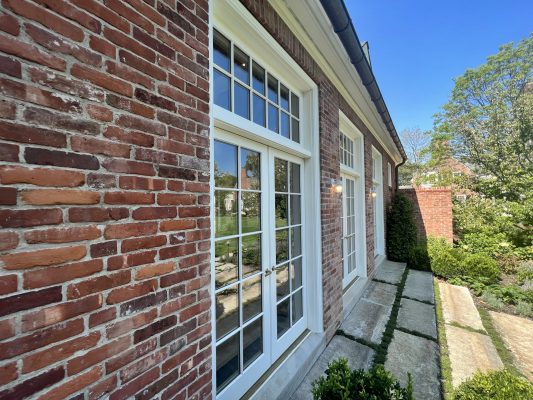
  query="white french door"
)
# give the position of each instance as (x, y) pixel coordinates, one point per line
(259, 260)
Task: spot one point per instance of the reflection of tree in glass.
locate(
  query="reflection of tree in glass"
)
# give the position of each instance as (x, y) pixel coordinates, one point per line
(250, 170)
(224, 179)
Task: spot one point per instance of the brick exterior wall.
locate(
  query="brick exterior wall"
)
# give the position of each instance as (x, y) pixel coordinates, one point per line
(432, 210)
(330, 102)
(104, 193)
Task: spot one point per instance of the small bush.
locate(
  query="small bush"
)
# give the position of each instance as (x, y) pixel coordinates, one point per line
(524, 309)
(480, 265)
(401, 229)
(493, 302)
(494, 385)
(419, 258)
(446, 261)
(341, 383)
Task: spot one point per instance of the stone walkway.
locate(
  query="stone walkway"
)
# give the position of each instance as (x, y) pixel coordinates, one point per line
(469, 347)
(413, 348)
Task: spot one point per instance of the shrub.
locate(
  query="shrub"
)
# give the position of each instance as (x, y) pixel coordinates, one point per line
(493, 302)
(419, 258)
(446, 261)
(494, 385)
(401, 229)
(480, 265)
(341, 383)
(524, 309)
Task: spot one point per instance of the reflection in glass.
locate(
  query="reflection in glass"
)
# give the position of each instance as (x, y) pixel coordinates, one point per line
(273, 118)
(253, 342)
(296, 273)
(297, 306)
(296, 241)
(241, 65)
(225, 165)
(227, 310)
(296, 212)
(282, 245)
(225, 213)
(222, 48)
(280, 172)
(283, 318)
(227, 362)
(242, 101)
(295, 105)
(250, 169)
(284, 97)
(222, 90)
(251, 297)
(251, 212)
(281, 203)
(251, 254)
(282, 281)
(295, 178)
(284, 126)
(295, 130)
(226, 261)
(272, 89)
(259, 110)
(258, 74)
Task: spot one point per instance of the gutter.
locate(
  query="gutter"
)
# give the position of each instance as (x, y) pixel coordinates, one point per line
(343, 27)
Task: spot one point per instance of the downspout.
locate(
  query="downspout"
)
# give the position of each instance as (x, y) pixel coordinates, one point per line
(343, 27)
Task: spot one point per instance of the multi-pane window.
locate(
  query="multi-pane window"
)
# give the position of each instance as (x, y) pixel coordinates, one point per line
(348, 225)
(347, 151)
(289, 283)
(243, 86)
(238, 278)
(389, 169)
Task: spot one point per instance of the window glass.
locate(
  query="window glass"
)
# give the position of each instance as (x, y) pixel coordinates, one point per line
(241, 65)
(222, 51)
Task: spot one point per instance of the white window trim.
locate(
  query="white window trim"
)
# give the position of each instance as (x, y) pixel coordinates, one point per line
(347, 128)
(232, 19)
(389, 169)
(377, 181)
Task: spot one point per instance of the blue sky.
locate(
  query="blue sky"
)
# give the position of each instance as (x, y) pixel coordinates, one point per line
(418, 47)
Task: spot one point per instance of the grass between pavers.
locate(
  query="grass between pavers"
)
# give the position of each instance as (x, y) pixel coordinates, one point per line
(420, 301)
(381, 351)
(503, 352)
(362, 341)
(415, 333)
(445, 364)
(382, 281)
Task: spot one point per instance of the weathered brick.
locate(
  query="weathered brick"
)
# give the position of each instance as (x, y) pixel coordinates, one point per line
(100, 113)
(137, 182)
(9, 24)
(141, 303)
(27, 134)
(154, 328)
(177, 225)
(73, 13)
(60, 312)
(95, 214)
(131, 106)
(59, 196)
(129, 167)
(8, 284)
(40, 176)
(9, 152)
(104, 13)
(63, 121)
(42, 258)
(154, 270)
(10, 67)
(129, 197)
(142, 365)
(143, 243)
(32, 53)
(8, 196)
(103, 249)
(134, 353)
(97, 146)
(103, 388)
(41, 338)
(176, 173)
(101, 181)
(62, 235)
(141, 65)
(124, 293)
(51, 276)
(157, 101)
(27, 218)
(133, 322)
(176, 251)
(135, 385)
(120, 231)
(33, 385)
(132, 137)
(8, 373)
(98, 284)
(73, 385)
(59, 352)
(101, 79)
(97, 355)
(101, 317)
(125, 41)
(60, 159)
(186, 212)
(131, 260)
(129, 74)
(144, 213)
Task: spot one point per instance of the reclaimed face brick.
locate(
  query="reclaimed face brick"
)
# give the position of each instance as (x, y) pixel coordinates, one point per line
(60, 159)
(8, 284)
(42, 258)
(32, 53)
(97, 214)
(98, 284)
(59, 196)
(54, 275)
(33, 385)
(10, 175)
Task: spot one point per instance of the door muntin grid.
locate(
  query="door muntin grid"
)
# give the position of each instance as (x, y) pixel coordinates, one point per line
(239, 284)
(288, 245)
(349, 224)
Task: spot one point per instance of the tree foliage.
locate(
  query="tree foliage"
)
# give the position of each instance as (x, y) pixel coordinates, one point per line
(490, 118)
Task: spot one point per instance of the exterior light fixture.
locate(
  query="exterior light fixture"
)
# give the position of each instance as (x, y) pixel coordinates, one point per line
(373, 193)
(336, 185)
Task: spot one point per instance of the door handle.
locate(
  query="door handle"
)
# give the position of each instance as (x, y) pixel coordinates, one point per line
(268, 271)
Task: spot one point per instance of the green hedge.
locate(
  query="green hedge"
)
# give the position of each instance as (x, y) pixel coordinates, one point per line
(494, 385)
(401, 229)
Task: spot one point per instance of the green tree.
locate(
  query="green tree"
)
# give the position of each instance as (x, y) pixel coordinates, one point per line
(490, 118)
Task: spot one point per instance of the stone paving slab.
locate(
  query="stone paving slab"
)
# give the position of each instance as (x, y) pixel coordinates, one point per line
(458, 306)
(469, 352)
(418, 317)
(380, 293)
(419, 286)
(367, 320)
(390, 272)
(419, 357)
(358, 356)
(517, 333)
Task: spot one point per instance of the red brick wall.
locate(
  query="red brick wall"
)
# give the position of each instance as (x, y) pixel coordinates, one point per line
(104, 193)
(330, 102)
(432, 210)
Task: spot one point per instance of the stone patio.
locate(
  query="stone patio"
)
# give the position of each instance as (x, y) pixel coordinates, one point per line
(458, 306)
(409, 352)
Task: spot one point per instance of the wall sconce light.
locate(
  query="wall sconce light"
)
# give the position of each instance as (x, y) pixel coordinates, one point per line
(373, 193)
(336, 185)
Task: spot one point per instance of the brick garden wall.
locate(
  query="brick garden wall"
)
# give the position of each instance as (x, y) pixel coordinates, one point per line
(432, 211)
(104, 193)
